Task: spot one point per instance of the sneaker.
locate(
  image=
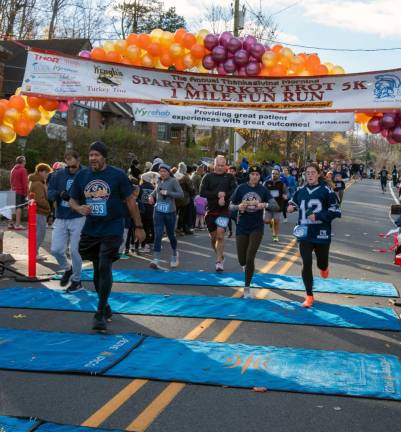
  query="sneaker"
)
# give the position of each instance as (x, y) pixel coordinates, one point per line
(66, 277)
(308, 303)
(146, 248)
(41, 257)
(154, 264)
(99, 323)
(276, 239)
(108, 314)
(174, 262)
(220, 266)
(11, 226)
(324, 273)
(74, 287)
(285, 220)
(188, 232)
(19, 227)
(123, 256)
(247, 293)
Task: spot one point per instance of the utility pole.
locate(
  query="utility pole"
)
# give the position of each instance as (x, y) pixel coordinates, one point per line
(236, 33)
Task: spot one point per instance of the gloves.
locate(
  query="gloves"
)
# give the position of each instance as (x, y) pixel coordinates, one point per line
(64, 196)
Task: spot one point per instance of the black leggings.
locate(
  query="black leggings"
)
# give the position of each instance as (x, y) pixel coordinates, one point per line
(322, 255)
(247, 247)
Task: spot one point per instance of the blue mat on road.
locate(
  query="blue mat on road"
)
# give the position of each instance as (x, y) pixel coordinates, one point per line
(234, 365)
(274, 311)
(260, 280)
(69, 352)
(15, 424)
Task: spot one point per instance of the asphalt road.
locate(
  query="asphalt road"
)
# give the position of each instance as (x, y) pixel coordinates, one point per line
(163, 407)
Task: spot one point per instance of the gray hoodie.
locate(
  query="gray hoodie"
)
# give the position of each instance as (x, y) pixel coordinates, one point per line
(166, 204)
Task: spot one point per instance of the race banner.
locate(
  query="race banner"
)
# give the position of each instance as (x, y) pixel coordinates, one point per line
(66, 77)
(250, 119)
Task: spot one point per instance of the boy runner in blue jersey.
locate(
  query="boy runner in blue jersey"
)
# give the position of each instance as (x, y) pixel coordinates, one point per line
(99, 194)
(318, 206)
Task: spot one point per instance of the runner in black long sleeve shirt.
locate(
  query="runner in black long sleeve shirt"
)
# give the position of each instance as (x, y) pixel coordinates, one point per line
(217, 188)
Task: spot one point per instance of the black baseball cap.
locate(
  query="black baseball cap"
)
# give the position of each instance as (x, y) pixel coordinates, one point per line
(255, 168)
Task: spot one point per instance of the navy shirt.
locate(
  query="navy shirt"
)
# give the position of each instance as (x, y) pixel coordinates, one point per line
(105, 192)
(252, 218)
(322, 201)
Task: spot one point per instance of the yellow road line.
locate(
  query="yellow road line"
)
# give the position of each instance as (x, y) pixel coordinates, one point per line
(278, 257)
(161, 402)
(134, 386)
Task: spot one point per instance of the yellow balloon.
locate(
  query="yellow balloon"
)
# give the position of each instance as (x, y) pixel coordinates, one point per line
(287, 53)
(201, 69)
(203, 33)
(133, 52)
(7, 134)
(11, 115)
(176, 50)
(147, 61)
(156, 34)
(109, 46)
(188, 61)
(337, 70)
(18, 91)
(269, 59)
(33, 114)
(364, 127)
(120, 45)
(166, 39)
(329, 66)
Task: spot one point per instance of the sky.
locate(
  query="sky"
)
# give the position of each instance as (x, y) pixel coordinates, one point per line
(340, 24)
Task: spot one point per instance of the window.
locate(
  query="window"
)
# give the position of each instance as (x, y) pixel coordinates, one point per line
(162, 131)
(81, 116)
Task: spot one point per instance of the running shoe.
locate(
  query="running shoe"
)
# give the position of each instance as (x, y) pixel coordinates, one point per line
(99, 323)
(19, 227)
(324, 273)
(285, 220)
(247, 293)
(66, 277)
(308, 303)
(146, 248)
(123, 256)
(220, 266)
(174, 262)
(276, 239)
(154, 264)
(74, 287)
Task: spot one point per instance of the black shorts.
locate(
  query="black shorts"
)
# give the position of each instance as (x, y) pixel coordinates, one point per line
(19, 200)
(93, 248)
(211, 222)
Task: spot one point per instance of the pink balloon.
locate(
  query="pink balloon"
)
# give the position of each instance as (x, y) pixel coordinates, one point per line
(396, 135)
(249, 41)
(219, 53)
(374, 125)
(208, 62)
(257, 50)
(384, 133)
(221, 70)
(241, 57)
(225, 38)
(234, 45)
(253, 68)
(242, 71)
(211, 41)
(63, 106)
(84, 54)
(388, 120)
(391, 140)
(230, 66)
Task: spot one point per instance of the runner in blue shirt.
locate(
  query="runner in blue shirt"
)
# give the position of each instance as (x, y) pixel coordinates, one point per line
(99, 194)
(318, 206)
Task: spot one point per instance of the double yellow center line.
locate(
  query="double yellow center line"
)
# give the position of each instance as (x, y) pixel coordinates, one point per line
(150, 413)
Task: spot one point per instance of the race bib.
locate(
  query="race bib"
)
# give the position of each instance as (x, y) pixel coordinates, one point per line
(275, 193)
(222, 221)
(300, 231)
(163, 207)
(98, 208)
(97, 192)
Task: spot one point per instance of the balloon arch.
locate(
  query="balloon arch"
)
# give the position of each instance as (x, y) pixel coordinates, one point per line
(201, 52)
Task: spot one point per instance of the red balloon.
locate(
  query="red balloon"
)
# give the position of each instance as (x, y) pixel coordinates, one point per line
(374, 125)
(388, 120)
(396, 134)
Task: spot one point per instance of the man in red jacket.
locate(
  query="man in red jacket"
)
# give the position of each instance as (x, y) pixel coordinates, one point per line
(19, 184)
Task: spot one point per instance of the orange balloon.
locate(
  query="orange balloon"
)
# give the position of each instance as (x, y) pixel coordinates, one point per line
(120, 45)
(144, 40)
(17, 102)
(312, 62)
(22, 127)
(176, 50)
(179, 35)
(7, 134)
(179, 64)
(34, 102)
(126, 61)
(132, 39)
(113, 57)
(277, 48)
(154, 49)
(166, 39)
(188, 40)
(11, 115)
(297, 64)
(32, 114)
(2, 111)
(188, 61)
(147, 61)
(98, 54)
(322, 70)
(264, 71)
(133, 52)
(166, 59)
(278, 70)
(198, 51)
(49, 104)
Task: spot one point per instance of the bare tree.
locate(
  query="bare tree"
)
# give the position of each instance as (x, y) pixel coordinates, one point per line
(56, 7)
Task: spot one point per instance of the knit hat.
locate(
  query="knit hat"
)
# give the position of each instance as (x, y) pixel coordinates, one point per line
(100, 147)
(255, 168)
(164, 166)
(182, 168)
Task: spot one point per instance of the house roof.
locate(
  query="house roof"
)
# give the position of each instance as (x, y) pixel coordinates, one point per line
(15, 64)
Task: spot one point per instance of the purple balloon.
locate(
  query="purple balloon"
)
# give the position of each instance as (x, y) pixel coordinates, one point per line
(221, 70)
(208, 62)
(257, 50)
(211, 41)
(253, 68)
(396, 135)
(219, 53)
(225, 38)
(241, 71)
(374, 125)
(84, 54)
(388, 121)
(230, 66)
(241, 57)
(234, 44)
(249, 41)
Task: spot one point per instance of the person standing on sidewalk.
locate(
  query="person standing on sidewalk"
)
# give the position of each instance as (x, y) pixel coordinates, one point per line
(68, 223)
(19, 184)
(99, 194)
(217, 187)
(37, 186)
(163, 198)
